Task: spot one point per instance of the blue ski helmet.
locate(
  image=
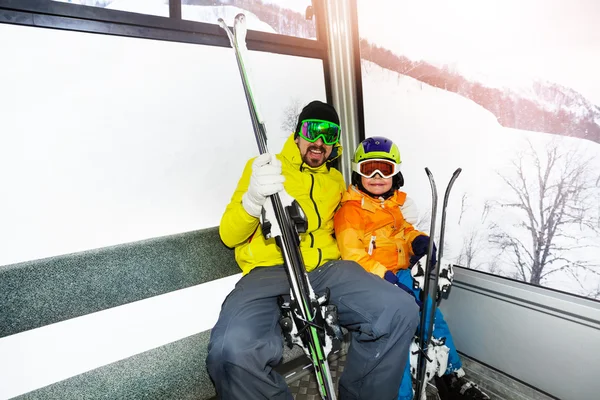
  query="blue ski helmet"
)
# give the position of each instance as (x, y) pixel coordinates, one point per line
(377, 147)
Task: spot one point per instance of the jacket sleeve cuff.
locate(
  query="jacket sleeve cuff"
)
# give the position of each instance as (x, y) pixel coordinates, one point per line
(379, 270)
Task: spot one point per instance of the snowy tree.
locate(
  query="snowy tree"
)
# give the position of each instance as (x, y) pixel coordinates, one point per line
(553, 194)
(472, 247)
(290, 115)
(471, 250)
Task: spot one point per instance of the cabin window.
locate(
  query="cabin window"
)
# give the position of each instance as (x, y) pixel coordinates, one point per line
(281, 17)
(149, 7)
(506, 97)
(112, 139)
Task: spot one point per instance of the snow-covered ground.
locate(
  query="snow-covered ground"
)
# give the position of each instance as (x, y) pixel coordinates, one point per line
(443, 131)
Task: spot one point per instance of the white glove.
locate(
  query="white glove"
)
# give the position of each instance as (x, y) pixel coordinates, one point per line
(266, 180)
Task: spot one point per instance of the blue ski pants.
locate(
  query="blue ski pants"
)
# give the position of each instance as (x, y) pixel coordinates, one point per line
(440, 329)
(246, 342)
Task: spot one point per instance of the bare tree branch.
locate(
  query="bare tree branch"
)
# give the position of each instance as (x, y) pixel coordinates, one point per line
(462, 207)
(562, 196)
(290, 115)
(470, 250)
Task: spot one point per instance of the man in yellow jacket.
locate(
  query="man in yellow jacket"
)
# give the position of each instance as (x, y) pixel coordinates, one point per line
(246, 343)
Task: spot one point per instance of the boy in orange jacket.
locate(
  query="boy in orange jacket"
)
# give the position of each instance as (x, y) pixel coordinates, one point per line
(374, 227)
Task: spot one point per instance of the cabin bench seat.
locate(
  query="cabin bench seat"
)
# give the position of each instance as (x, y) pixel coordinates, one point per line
(37, 293)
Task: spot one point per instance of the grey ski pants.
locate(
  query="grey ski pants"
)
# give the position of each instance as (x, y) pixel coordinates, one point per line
(246, 343)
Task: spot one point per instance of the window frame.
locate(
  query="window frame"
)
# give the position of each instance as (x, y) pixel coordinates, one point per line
(80, 18)
(90, 19)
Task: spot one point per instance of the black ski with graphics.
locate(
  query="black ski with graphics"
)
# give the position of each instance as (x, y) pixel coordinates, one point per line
(425, 339)
(307, 320)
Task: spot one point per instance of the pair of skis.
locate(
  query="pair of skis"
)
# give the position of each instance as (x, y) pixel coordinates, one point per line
(425, 332)
(306, 320)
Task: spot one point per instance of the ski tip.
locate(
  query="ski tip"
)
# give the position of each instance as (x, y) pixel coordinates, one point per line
(428, 171)
(240, 17)
(456, 174)
(222, 23)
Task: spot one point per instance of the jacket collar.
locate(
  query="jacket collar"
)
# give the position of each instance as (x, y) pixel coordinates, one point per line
(369, 203)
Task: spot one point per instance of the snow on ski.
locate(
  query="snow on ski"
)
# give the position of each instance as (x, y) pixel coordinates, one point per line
(426, 331)
(306, 320)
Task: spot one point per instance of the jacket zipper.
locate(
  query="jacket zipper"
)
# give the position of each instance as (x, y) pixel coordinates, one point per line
(312, 238)
(320, 257)
(312, 186)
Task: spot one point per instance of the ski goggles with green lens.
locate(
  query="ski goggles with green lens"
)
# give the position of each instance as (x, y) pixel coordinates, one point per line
(313, 129)
(369, 168)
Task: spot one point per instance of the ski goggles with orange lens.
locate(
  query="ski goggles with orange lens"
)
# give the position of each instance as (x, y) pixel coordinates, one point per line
(313, 129)
(369, 168)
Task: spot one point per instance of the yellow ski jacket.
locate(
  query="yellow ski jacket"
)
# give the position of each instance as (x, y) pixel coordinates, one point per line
(317, 190)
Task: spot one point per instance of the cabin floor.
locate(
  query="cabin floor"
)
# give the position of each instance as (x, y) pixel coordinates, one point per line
(303, 383)
(301, 379)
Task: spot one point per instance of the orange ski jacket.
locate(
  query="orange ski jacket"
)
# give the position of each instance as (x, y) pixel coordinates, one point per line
(373, 232)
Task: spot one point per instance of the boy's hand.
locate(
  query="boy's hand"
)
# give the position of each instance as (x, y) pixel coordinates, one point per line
(419, 247)
(390, 277)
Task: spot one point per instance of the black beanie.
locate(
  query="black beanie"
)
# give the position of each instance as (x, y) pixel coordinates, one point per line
(318, 110)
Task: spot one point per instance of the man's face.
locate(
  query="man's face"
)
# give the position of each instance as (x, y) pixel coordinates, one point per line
(313, 154)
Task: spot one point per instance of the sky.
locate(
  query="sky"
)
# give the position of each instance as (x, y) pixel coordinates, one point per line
(558, 40)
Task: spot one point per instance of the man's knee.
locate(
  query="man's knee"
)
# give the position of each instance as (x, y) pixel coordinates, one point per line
(408, 310)
(239, 347)
(402, 312)
(231, 348)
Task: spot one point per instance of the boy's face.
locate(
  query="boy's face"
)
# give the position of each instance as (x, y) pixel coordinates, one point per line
(314, 154)
(377, 185)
